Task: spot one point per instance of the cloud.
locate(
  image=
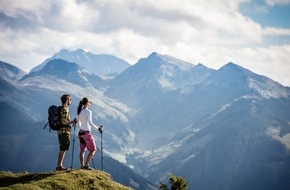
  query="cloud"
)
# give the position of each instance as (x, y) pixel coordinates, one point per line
(210, 32)
(277, 2)
(271, 61)
(18, 9)
(270, 31)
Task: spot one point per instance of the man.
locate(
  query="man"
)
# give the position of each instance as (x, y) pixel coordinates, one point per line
(64, 132)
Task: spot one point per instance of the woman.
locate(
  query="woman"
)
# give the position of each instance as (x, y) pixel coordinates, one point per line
(87, 140)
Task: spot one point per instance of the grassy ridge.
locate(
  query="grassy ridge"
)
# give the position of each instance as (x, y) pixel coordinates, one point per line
(71, 179)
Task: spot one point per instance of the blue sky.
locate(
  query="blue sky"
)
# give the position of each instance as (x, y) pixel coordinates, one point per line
(253, 34)
(267, 15)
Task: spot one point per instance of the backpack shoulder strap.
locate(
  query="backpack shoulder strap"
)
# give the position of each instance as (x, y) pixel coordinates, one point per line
(59, 108)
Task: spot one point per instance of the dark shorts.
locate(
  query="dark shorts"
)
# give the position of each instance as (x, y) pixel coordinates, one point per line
(64, 141)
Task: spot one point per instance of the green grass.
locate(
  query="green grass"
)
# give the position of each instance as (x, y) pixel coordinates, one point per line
(65, 180)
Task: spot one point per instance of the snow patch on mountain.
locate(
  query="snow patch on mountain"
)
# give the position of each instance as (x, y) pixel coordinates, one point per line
(157, 155)
(188, 158)
(117, 156)
(183, 65)
(275, 134)
(223, 107)
(226, 106)
(167, 74)
(268, 89)
(113, 108)
(46, 83)
(121, 155)
(171, 72)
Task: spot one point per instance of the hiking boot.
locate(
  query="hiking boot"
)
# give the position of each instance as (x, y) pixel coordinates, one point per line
(87, 168)
(61, 168)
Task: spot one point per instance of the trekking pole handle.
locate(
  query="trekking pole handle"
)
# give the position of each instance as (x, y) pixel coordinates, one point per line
(75, 120)
(101, 129)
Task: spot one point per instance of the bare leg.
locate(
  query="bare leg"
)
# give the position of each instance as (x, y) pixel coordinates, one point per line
(61, 155)
(89, 158)
(82, 155)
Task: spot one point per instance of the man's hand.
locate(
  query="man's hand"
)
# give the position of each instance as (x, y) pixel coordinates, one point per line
(75, 120)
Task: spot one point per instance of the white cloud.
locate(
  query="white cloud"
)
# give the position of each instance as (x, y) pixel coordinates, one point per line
(33, 11)
(210, 32)
(277, 2)
(270, 31)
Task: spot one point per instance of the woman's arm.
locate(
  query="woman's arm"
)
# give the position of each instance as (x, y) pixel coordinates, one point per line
(90, 120)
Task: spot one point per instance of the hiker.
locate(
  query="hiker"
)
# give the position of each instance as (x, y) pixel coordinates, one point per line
(63, 132)
(86, 138)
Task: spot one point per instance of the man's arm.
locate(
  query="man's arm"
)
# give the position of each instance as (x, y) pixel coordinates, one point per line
(65, 117)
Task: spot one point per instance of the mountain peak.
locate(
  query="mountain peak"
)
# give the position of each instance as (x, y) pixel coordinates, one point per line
(234, 70)
(68, 71)
(67, 51)
(100, 65)
(58, 68)
(9, 72)
(157, 58)
(231, 66)
(154, 54)
(236, 75)
(59, 65)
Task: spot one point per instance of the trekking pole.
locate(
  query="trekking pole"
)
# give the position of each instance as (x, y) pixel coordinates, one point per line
(102, 158)
(72, 156)
(93, 163)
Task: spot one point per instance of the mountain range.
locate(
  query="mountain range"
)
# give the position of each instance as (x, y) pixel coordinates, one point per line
(220, 129)
(101, 65)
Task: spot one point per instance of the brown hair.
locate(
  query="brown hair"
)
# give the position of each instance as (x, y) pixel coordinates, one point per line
(83, 102)
(64, 98)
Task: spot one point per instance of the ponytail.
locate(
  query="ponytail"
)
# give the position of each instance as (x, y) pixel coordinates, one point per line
(80, 107)
(83, 102)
